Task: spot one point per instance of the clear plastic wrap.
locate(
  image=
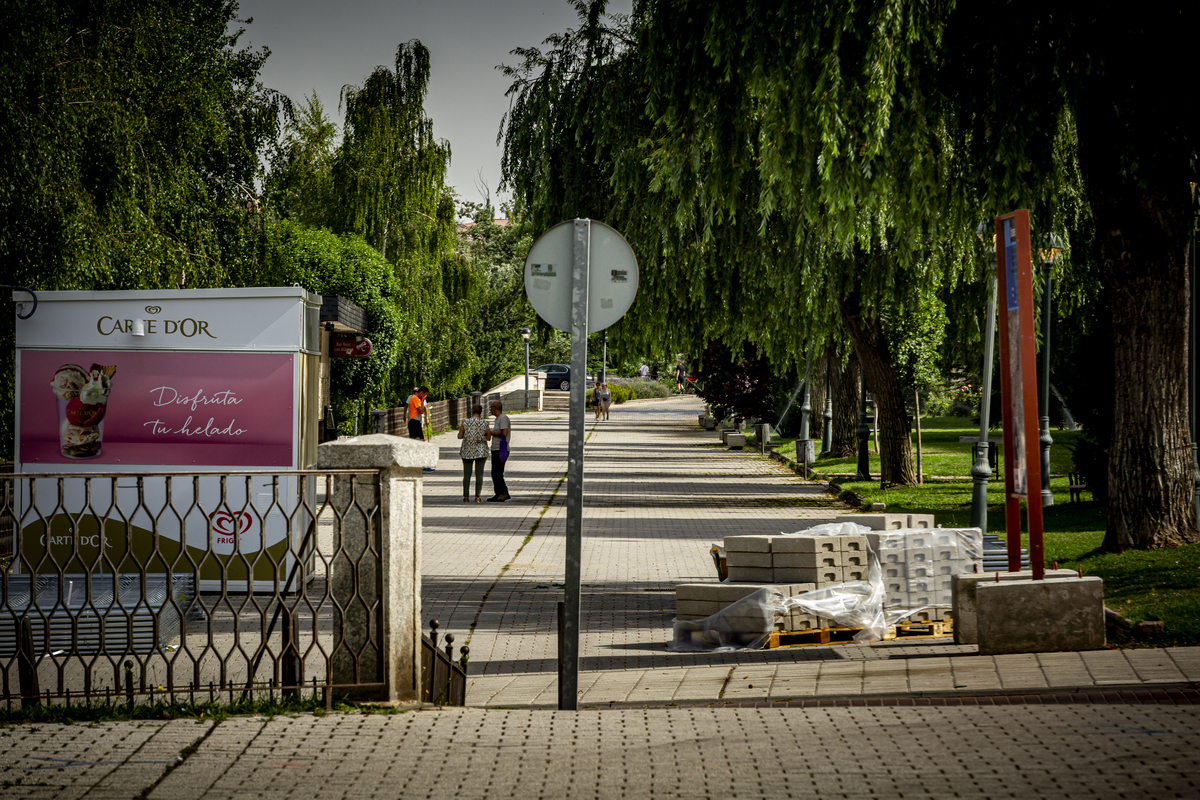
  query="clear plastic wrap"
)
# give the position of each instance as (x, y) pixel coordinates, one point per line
(908, 574)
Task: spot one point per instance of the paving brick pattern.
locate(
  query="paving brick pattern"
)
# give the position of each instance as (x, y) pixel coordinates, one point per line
(658, 493)
(1024, 748)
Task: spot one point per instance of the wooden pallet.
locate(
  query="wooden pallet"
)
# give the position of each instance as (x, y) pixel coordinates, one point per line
(826, 636)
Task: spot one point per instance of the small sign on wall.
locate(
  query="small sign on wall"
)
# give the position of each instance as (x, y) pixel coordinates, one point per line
(350, 347)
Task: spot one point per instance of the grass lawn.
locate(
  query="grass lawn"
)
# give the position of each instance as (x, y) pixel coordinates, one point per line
(1161, 584)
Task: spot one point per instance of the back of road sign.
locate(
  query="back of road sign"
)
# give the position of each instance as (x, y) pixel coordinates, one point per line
(613, 276)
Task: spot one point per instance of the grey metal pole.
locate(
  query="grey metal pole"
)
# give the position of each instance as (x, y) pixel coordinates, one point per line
(827, 416)
(579, 327)
(1044, 438)
(864, 434)
(806, 406)
(604, 361)
(980, 470)
(527, 372)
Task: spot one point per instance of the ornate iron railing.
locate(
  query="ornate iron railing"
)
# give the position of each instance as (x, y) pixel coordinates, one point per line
(206, 585)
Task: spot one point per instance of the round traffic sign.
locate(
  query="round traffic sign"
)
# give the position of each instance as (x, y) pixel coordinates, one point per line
(612, 275)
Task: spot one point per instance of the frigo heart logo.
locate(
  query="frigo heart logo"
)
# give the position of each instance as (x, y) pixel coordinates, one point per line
(224, 522)
(153, 309)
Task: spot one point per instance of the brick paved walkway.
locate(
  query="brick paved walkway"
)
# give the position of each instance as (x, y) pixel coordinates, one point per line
(659, 491)
(1114, 748)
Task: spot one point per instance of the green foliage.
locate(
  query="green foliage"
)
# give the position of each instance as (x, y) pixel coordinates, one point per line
(347, 266)
(388, 181)
(130, 133)
(300, 186)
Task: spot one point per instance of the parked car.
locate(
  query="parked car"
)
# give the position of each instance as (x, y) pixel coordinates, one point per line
(558, 376)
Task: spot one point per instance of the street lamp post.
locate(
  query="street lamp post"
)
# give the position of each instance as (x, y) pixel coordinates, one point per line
(604, 361)
(525, 336)
(1051, 248)
(827, 416)
(981, 471)
(864, 434)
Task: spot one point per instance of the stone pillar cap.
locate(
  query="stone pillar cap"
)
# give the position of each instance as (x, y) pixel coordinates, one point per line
(376, 451)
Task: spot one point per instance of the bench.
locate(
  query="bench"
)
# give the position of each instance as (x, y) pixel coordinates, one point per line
(1077, 486)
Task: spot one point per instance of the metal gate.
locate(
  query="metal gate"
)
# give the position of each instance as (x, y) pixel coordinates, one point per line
(206, 585)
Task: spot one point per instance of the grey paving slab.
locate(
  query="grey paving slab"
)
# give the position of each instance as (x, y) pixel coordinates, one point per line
(1100, 750)
(659, 492)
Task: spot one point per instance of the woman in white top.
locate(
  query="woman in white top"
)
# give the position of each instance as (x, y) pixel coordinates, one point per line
(501, 432)
(474, 451)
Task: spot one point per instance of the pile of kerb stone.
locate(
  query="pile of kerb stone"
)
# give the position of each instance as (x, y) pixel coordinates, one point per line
(917, 562)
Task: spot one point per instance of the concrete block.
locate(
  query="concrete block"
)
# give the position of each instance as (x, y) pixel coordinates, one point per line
(805, 560)
(962, 594)
(798, 575)
(896, 599)
(946, 552)
(920, 586)
(923, 615)
(920, 571)
(736, 441)
(893, 557)
(894, 572)
(798, 589)
(947, 568)
(892, 585)
(1040, 616)
(879, 542)
(748, 544)
(918, 555)
(732, 592)
(920, 521)
(735, 558)
(854, 573)
(876, 522)
(751, 574)
(856, 559)
(805, 544)
(692, 609)
(801, 621)
(854, 544)
(705, 592)
(919, 539)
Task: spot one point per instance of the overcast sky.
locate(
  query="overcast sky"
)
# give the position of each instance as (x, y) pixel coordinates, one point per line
(321, 45)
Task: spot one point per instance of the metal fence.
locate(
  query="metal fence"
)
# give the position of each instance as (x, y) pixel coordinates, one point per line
(189, 586)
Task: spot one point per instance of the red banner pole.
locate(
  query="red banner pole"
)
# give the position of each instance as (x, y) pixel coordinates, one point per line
(1018, 389)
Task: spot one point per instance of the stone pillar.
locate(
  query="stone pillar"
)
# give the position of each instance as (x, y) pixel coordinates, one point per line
(388, 568)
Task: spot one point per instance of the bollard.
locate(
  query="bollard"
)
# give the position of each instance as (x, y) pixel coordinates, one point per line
(129, 681)
(27, 665)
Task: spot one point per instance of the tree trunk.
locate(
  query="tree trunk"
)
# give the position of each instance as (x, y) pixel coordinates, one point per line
(845, 409)
(1143, 220)
(895, 447)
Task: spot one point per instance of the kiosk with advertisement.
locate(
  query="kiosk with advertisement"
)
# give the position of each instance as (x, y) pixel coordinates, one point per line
(220, 384)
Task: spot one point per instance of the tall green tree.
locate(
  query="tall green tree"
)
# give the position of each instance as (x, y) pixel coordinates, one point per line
(389, 188)
(928, 113)
(130, 134)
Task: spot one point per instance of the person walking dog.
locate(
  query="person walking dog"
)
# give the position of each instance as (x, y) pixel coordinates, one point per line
(474, 451)
(500, 435)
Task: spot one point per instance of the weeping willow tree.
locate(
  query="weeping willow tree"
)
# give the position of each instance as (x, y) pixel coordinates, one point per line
(722, 255)
(388, 180)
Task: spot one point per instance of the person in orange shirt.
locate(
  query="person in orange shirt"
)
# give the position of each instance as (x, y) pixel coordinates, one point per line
(418, 413)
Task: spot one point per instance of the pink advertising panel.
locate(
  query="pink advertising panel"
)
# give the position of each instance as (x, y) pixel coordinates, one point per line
(156, 408)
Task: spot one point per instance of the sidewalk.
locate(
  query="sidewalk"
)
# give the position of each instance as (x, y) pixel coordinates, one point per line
(658, 492)
(896, 719)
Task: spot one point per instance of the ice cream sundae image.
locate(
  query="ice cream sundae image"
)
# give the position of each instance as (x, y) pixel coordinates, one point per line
(82, 400)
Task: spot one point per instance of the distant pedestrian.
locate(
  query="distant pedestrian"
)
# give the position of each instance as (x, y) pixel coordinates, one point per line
(596, 401)
(605, 399)
(500, 435)
(680, 377)
(474, 451)
(418, 413)
(645, 370)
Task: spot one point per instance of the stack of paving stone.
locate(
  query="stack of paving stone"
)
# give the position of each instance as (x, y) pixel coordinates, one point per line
(918, 566)
(916, 561)
(700, 600)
